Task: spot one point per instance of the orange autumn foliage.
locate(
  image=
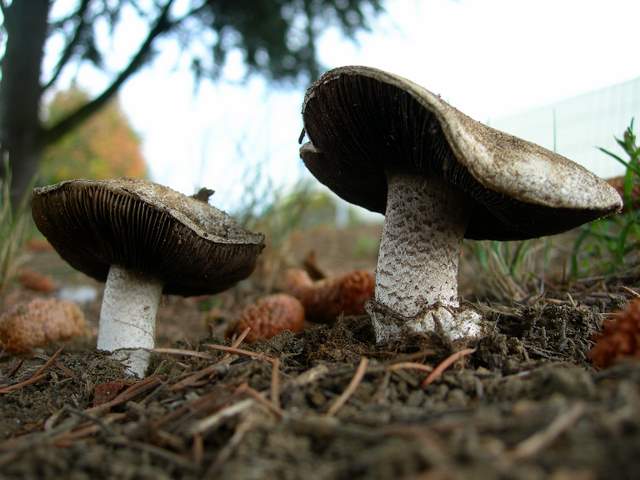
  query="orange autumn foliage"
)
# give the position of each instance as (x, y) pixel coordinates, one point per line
(105, 146)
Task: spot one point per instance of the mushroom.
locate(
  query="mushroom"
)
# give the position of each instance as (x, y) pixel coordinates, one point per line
(384, 143)
(143, 239)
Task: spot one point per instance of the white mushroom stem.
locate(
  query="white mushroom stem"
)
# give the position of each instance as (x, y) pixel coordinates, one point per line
(128, 317)
(417, 272)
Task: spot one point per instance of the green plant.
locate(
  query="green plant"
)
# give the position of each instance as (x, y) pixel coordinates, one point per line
(511, 270)
(366, 246)
(13, 229)
(274, 211)
(610, 245)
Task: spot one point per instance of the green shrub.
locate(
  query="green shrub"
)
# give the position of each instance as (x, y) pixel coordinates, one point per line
(610, 246)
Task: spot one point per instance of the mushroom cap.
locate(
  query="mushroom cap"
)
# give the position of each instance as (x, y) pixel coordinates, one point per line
(365, 123)
(192, 247)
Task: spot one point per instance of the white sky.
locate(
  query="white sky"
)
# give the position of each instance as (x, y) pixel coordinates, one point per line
(488, 58)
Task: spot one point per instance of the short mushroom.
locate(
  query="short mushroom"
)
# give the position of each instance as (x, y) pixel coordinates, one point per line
(143, 239)
(382, 142)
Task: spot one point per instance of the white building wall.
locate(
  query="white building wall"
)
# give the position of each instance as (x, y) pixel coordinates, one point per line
(582, 124)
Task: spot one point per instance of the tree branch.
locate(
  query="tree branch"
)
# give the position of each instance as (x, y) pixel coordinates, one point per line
(71, 45)
(76, 117)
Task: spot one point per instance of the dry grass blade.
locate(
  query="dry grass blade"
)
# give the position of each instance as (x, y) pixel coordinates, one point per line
(446, 363)
(538, 441)
(39, 374)
(351, 388)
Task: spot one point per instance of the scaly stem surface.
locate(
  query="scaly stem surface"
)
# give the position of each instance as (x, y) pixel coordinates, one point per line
(418, 262)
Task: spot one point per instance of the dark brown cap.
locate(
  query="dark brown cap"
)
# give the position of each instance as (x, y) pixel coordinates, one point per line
(364, 123)
(191, 246)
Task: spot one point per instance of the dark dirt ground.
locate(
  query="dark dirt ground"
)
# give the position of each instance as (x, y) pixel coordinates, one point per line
(526, 404)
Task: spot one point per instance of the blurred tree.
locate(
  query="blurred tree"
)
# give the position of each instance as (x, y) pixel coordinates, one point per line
(277, 38)
(105, 146)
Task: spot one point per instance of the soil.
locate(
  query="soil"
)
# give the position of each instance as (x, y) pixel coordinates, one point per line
(525, 404)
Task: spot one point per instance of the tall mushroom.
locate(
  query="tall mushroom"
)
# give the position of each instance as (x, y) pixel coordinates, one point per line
(382, 142)
(143, 239)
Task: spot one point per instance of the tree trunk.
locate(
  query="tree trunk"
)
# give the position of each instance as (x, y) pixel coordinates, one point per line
(20, 91)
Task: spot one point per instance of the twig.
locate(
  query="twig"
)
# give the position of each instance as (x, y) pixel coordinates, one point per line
(275, 383)
(211, 421)
(217, 367)
(257, 396)
(179, 351)
(15, 368)
(446, 363)
(631, 291)
(39, 374)
(48, 363)
(197, 448)
(240, 351)
(538, 441)
(157, 451)
(236, 343)
(86, 429)
(131, 392)
(351, 388)
(310, 376)
(409, 366)
(230, 446)
(210, 401)
(381, 392)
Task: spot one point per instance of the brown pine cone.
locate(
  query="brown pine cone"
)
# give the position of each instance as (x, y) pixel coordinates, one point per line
(326, 299)
(36, 281)
(268, 317)
(39, 322)
(619, 338)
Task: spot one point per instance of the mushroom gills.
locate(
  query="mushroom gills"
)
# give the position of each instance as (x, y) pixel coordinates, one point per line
(128, 317)
(416, 277)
